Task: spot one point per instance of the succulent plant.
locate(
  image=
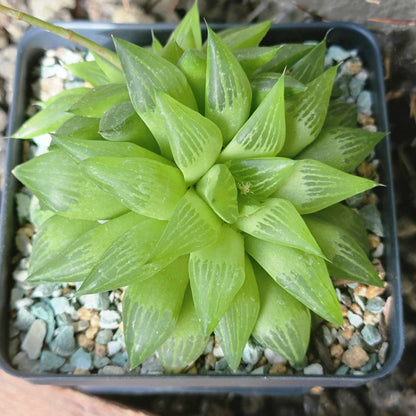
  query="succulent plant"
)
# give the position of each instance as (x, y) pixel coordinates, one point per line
(206, 178)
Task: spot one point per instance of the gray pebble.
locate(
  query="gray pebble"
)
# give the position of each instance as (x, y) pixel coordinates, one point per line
(383, 352)
(24, 319)
(370, 365)
(81, 359)
(59, 304)
(342, 370)
(33, 341)
(100, 362)
(24, 363)
(81, 325)
(113, 347)
(326, 336)
(378, 252)
(313, 369)
(252, 353)
(104, 336)
(13, 331)
(119, 336)
(43, 311)
(259, 370)
(371, 335)
(20, 275)
(217, 351)
(111, 370)
(50, 361)
(359, 301)
(355, 319)
(355, 340)
(120, 359)
(98, 301)
(24, 303)
(23, 244)
(221, 365)
(63, 319)
(209, 347)
(67, 368)
(372, 219)
(109, 319)
(356, 86)
(151, 366)
(364, 102)
(338, 54)
(16, 294)
(274, 357)
(64, 342)
(13, 346)
(375, 305)
(44, 290)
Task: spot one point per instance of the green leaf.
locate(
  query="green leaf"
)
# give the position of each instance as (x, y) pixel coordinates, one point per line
(84, 149)
(156, 45)
(277, 221)
(151, 308)
(236, 326)
(262, 83)
(121, 123)
(52, 115)
(99, 100)
(284, 324)
(302, 274)
(346, 258)
(255, 57)
(260, 177)
(80, 128)
(194, 140)
(88, 71)
(193, 64)
(77, 260)
(350, 222)
(187, 341)
(53, 237)
(65, 188)
(113, 73)
(287, 55)
(227, 89)
(313, 186)
(188, 33)
(341, 114)
(218, 189)
(172, 52)
(245, 37)
(192, 226)
(122, 263)
(145, 186)
(342, 148)
(145, 73)
(263, 134)
(306, 113)
(216, 274)
(311, 65)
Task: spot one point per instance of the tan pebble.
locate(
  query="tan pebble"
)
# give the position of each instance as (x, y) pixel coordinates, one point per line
(348, 332)
(373, 241)
(121, 326)
(355, 357)
(371, 318)
(95, 321)
(29, 230)
(317, 390)
(192, 370)
(81, 372)
(361, 290)
(91, 332)
(278, 369)
(354, 67)
(374, 291)
(86, 343)
(101, 350)
(336, 363)
(344, 309)
(332, 325)
(262, 361)
(337, 350)
(356, 309)
(367, 170)
(84, 313)
(210, 361)
(379, 268)
(66, 290)
(346, 322)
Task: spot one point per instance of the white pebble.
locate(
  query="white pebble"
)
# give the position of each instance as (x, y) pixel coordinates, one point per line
(313, 369)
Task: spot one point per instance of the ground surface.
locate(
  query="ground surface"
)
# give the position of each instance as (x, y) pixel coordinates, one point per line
(394, 22)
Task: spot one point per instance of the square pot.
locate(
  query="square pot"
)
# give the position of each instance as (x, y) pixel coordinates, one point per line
(346, 35)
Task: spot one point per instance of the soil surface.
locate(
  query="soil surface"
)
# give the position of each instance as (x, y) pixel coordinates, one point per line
(394, 23)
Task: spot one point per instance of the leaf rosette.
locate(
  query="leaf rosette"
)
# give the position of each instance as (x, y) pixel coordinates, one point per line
(207, 178)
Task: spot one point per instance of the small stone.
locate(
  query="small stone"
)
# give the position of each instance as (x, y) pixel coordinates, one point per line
(33, 341)
(81, 359)
(326, 335)
(354, 66)
(259, 370)
(383, 352)
(374, 291)
(371, 335)
(365, 119)
(67, 368)
(373, 241)
(355, 357)
(337, 350)
(356, 309)
(64, 342)
(221, 365)
(279, 368)
(355, 87)
(100, 362)
(358, 300)
(24, 319)
(355, 340)
(113, 347)
(24, 303)
(378, 252)
(43, 311)
(217, 351)
(361, 290)
(97, 301)
(81, 325)
(91, 332)
(372, 219)
(24, 245)
(342, 370)
(63, 319)
(16, 294)
(112, 370)
(210, 361)
(355, 319)
(151, 366)
(100, 350)
(252, 353)
(274, 357)
(81, 372)
(20, 275)
(370, 365)
(25, 364)
(209, 347)
(14, 346)
(85, 343)
(371, 318)
(44, 290)
(314, 369)
(364, 102)
(347, 332)
(370, 128)
(50, 361)
(104, 336)
(109, 319)
(337, 53)
(59, 304)
(120, 359)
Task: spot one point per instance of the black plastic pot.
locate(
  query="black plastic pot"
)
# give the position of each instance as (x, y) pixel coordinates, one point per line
(347, 35)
